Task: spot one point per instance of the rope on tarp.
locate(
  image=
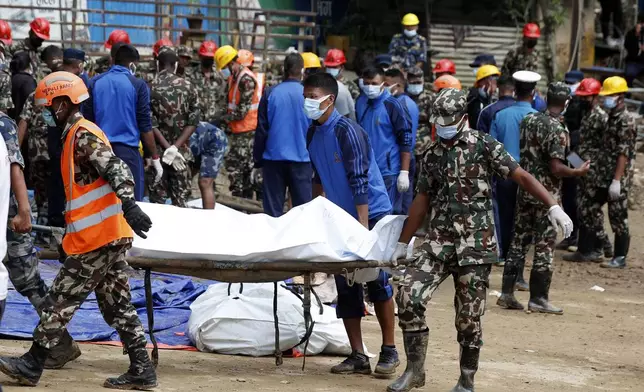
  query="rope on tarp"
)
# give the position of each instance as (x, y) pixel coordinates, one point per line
(278, 353)
(150, 310)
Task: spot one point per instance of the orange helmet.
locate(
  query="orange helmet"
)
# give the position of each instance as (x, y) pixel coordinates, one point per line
(60, 84)
(208, 49)
(447, 81)
(334, 58)
(588, 86)
(5, 32)
(531, 30)
(245, 57)
(160, 43)
(40, 27)
(445, 65)
(117, 36)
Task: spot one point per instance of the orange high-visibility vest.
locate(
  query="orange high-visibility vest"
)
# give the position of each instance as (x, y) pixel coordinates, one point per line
(93, 213)
(248, 123)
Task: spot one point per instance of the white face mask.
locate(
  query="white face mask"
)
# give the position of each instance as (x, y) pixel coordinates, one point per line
(361, 83)
(132, 68)
(415, 89)
(333, 72)
(475, 70)
(448, 132)
(392, 88)
(312, 107)
(410, 33)
(225, 73)
(372, 92)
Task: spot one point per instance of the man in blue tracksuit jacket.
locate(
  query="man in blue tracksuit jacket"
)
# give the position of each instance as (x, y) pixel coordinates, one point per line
(389, 128)
(280, 141)
(397, 86)
(119, 104)
(345, 170)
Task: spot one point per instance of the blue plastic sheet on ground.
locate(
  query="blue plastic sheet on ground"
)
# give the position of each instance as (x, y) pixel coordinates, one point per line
(172, 297)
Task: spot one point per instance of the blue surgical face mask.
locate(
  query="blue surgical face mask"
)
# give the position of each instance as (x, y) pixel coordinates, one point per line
(225, 73)
(483, 92)
(372, 92)
(610, 102)
(361, 83)
(312, 107)
(415, 89)
(475, 70)
(448, 132)
(410, 33)
(48, 118)
(333, 72)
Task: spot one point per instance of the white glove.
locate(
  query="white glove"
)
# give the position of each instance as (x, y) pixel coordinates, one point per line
(159, 169)
(169, 154)
(403, 181)
(179, 163)
(560, 219)
(255, 175)
(615, 190)
(400, 252)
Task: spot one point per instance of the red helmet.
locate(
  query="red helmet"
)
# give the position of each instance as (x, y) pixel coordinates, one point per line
(40, 27)
(208, 49)
(334, 58)
(445, 66)
(5, 32)
(531, 30)
(588, 86)
(117, 36)
(160, 43)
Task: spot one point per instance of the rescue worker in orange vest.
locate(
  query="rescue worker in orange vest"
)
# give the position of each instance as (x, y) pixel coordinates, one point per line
(244, 93)
(247, 59)
(100, 216)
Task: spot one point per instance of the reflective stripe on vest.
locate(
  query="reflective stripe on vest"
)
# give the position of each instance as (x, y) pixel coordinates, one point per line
(94, 219)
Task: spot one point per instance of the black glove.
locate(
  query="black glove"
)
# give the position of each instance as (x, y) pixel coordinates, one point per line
(136, 218)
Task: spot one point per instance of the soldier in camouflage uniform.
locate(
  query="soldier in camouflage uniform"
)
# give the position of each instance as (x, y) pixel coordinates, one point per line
(175, 115)
(102, 270)
(209, 146)
(185, 67)
(211, 88)
(31, 45)
(21, 260)
(5, 80)
(454, 188)
(525, 57)
(424, 99)
(545, 144)
(407, 52)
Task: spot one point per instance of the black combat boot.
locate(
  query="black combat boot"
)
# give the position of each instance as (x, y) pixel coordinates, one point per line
(585, 248)
(28, 368)
(414, 374)
(469, 366)
(141, 374)
(65, 351)
(507, 299)
(622, 243)
(539, 289)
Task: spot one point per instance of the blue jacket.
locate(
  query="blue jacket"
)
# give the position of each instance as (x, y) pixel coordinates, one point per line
(119, 104)
(389, 128)
(506, 125)
(343, 162)
(282, 125)
(489, 112)
(539, 104)
(414, 115)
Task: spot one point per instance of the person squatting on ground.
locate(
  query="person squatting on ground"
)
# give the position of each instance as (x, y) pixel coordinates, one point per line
(454, 188)
(545, 144)
(96, 182)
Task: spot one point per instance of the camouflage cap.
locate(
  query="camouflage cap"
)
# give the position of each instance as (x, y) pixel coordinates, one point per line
(559, 90)
(416, 72)
(184, 51)
(166, 49)
(449, 106)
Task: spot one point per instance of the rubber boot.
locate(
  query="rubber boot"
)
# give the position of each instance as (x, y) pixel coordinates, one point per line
(469, 366)
(622, 242)
(585, 252)
(28, 368)
(66, 351)
(539, 289)
(414, 374)
(141, 374)
(507, 299)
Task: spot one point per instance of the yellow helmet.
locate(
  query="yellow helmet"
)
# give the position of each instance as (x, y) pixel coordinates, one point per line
(311, 60)
(224, 55)
(614, 85)
(410, 20)
(487, 70)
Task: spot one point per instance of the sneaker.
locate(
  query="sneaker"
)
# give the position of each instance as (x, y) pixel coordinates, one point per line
(387, 362)
(355, 363)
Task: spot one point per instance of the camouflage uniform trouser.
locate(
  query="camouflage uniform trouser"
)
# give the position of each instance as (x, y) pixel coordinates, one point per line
(208, 144)
(174, 184)
(424, 276)
(104, 272)
(239, 164)
(586, 217)
(22, 263)
(40, 173)
(532, 225)
(617, 211)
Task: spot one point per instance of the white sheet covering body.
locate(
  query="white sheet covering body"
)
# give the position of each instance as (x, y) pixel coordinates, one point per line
(318, 231)
(242, 324)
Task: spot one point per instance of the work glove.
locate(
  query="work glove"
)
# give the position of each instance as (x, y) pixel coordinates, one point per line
(179, 163)
(138, 220)
(169, 154)
(403, 181)
(559, 219)
(159, 170)
(256, 175)
(400, 252)
(615, 190)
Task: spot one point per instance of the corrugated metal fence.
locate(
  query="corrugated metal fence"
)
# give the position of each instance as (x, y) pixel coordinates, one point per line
(462, 43)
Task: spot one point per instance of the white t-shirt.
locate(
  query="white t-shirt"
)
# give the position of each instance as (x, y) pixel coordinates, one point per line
(344, 102)
(5, 188)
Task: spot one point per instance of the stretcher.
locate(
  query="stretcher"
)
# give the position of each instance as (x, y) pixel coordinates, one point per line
(243, 272)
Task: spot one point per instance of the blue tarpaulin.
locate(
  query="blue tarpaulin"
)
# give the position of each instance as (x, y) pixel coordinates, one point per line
(172, 297)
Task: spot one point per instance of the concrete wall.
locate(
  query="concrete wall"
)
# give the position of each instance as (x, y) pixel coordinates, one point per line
(564, 38)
